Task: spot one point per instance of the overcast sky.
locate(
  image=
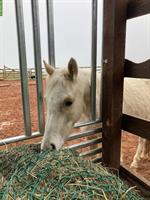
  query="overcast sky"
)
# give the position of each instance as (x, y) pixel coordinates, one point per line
(72, 19)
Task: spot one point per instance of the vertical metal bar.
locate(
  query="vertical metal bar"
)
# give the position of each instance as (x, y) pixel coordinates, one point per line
(94, 59)
(102, 64)
(50, 29)
(38, 65)
(23, 66)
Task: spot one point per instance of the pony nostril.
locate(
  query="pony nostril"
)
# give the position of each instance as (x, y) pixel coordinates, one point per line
(47, 146)
(53, 147)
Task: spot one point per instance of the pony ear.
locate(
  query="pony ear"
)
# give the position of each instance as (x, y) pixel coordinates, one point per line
(48, 68)
(72, 68)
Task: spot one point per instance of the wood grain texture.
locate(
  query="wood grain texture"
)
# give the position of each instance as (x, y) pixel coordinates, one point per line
(135, 179)
(113, 74)
(137, 70)
(136, 126)
(138, 8)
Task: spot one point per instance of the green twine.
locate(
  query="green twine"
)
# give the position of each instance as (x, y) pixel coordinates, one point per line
(58, 175)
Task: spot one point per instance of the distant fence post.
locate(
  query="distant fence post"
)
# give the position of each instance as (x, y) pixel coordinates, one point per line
(4, 73)
(114, 29)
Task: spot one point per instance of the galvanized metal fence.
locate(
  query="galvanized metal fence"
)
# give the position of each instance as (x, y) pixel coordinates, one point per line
(38, 71)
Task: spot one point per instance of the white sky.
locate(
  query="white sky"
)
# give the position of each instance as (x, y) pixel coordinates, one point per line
(72, 26)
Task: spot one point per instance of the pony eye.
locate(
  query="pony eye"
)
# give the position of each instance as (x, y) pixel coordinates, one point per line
(68, 103)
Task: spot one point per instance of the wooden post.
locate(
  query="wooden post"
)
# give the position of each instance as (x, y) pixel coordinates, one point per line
(114, 29)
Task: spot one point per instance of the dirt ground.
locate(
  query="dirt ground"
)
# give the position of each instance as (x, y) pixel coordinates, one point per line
(11, 121)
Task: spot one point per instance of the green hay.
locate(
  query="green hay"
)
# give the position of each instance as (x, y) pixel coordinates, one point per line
(27, 174)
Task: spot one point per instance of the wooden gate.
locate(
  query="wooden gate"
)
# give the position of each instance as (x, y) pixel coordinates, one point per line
(115, 69)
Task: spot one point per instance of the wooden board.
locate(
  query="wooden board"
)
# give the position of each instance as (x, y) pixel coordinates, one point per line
(135, 179)
(138, 8)
(136, 126)
(134, 70)
(114, 30)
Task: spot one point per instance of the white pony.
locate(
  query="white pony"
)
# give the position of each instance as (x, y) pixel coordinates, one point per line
(68, 100)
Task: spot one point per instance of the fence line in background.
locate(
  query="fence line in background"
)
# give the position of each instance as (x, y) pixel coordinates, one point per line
(7, 73)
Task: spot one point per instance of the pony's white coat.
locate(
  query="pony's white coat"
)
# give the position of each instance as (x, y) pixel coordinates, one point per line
(60, 118)
(73, 84)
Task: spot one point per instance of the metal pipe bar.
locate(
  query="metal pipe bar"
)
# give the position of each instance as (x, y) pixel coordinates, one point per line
(18, 138)
(91, 152)
(38, 66)
(84, 134)
(50, 29)
(23, 66)
(101, 70)
(37, 134)
(94, 59)
(85, 144)
(82, 124)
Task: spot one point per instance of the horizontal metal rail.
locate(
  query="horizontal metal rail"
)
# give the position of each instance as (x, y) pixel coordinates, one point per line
(19, 138)
(84, 134)
(37, 134)
(82, 124)
(76, 146)
(91, 152)
(84, 144)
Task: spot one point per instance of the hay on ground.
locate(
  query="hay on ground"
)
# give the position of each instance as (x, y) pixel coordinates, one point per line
(25, 173)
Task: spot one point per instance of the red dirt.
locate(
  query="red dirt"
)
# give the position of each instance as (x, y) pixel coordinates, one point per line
(11, 121)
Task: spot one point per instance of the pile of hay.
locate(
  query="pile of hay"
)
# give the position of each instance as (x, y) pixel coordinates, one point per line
(27, 174)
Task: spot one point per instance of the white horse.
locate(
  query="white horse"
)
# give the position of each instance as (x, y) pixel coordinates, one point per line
(68, 100)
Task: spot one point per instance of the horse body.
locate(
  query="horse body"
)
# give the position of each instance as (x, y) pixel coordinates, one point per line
(68, 101)
(137, 104)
